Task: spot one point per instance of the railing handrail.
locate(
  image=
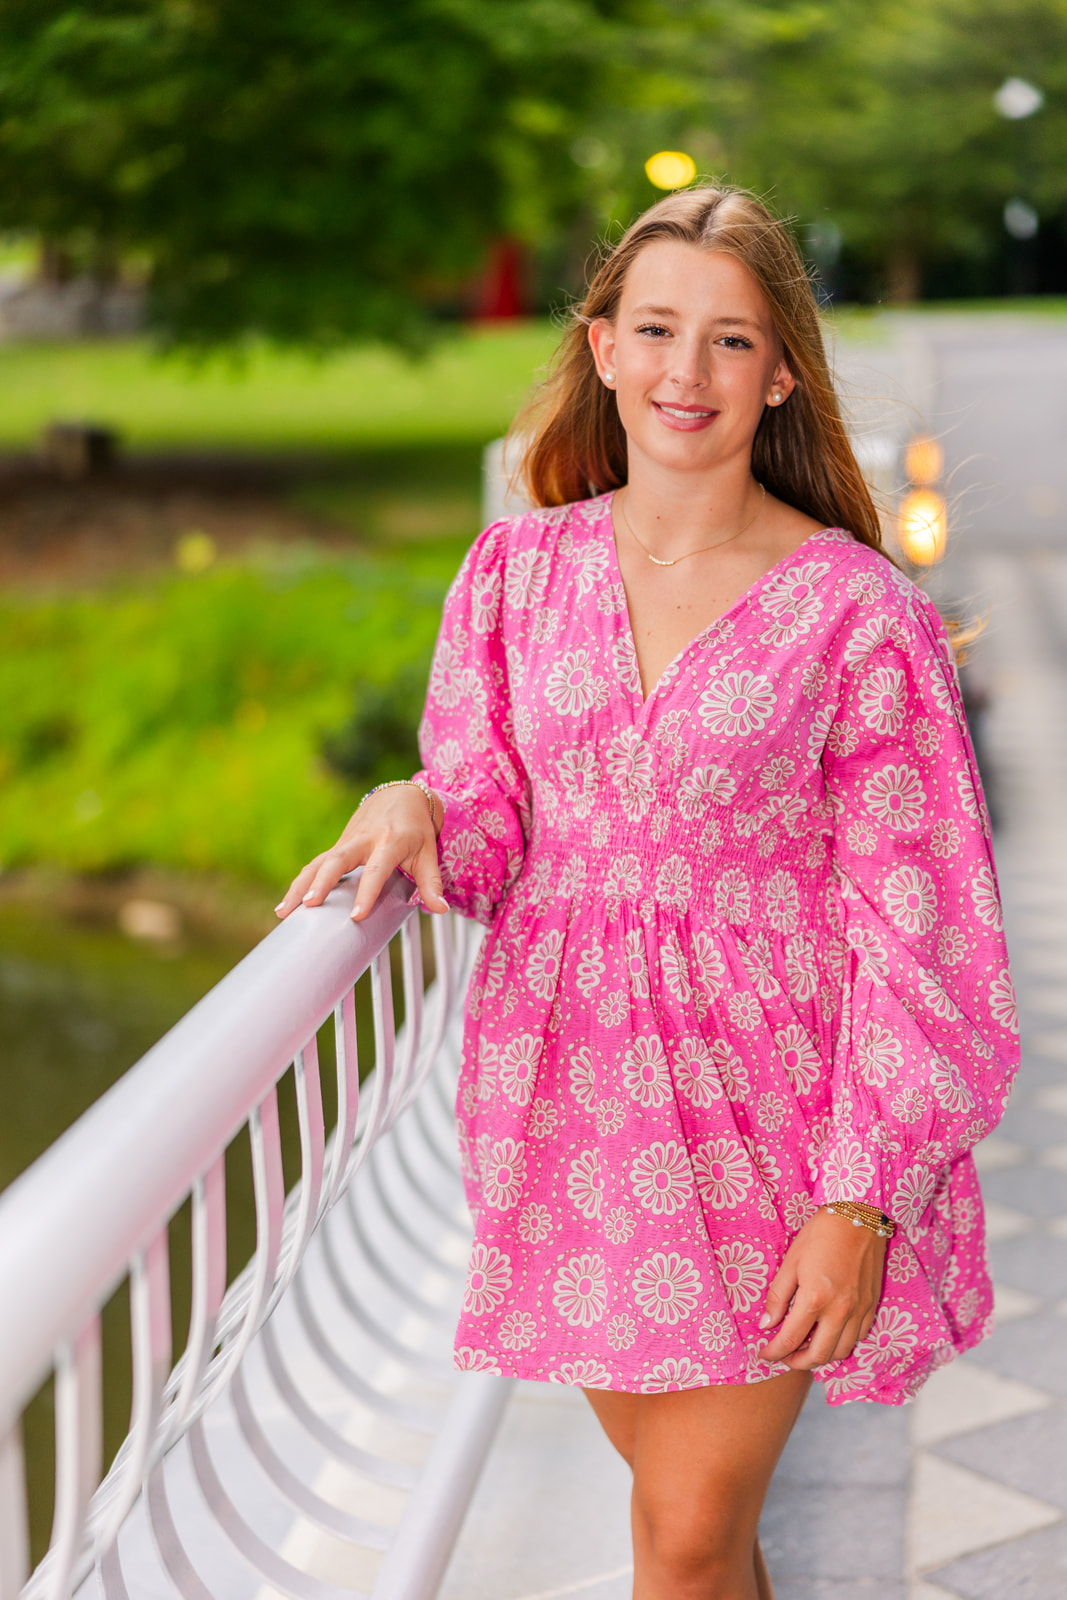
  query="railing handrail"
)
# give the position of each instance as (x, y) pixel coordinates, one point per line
(104, 1189)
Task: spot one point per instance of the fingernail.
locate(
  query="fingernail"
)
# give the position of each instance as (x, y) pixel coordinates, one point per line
(444, 902)
(307, 897)
(279, 908)
(357, 912)
(765, 1320)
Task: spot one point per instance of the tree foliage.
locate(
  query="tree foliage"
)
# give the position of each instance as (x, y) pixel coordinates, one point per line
(323, 170)
(318, 169)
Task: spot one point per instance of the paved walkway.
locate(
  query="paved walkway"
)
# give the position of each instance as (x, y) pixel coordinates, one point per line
(964, 1493)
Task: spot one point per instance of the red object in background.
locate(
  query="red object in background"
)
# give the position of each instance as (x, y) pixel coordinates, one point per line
(501, 297)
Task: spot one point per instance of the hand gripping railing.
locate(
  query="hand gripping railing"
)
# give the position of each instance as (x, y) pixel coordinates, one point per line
(311, 1439)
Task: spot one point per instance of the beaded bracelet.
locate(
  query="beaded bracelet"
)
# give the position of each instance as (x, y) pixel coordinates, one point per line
(863, 1216)
(413, 783)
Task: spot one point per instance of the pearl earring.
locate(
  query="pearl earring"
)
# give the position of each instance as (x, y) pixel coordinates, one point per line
(609, 377)
(776, 397)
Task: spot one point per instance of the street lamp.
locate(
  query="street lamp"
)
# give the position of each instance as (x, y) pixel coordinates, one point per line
(922, 524)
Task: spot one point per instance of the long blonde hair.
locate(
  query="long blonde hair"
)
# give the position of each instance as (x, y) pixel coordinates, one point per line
(801, 453)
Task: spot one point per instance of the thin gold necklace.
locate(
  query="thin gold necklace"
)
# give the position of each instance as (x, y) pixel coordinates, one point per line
(704, 547)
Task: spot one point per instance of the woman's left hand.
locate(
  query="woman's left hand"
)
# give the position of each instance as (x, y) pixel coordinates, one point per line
(825, 1294)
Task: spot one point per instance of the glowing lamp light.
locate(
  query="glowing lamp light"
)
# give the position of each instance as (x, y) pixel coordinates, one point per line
(670, 169)
(924, 461)
(923, 526)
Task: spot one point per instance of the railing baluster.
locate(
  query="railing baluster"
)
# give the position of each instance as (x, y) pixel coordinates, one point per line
(411, 954)
(150, 1342)
(312, 1158)
(79, 1426)
(344, 1029)
(209, 1287)
(14, 1523)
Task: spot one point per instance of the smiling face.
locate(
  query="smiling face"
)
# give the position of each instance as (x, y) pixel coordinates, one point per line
(693, 357)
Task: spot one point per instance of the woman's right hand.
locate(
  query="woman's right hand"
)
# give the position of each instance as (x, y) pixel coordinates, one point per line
(390, 829)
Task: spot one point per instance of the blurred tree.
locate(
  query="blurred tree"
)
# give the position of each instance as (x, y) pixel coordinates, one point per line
(316, 170)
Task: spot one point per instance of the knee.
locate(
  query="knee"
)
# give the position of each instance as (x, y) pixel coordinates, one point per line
(691, 1553)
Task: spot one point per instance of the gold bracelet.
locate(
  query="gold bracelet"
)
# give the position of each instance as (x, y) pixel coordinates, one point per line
(413, 783)
(863, 1216)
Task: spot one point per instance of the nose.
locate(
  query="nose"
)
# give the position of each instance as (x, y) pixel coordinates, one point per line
(689, 370)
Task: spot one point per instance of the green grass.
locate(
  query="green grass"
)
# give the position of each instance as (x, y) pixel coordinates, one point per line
(180, 722)
(465, 392)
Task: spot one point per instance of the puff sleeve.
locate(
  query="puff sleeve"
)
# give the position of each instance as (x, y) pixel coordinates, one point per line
(927, 1047)
(466, 738)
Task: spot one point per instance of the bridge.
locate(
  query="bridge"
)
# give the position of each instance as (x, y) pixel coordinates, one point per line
(312, 1438)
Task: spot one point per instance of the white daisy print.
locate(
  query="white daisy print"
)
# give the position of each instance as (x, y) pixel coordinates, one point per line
(543, 964)
(667, 1287)
(896, 798)
(984, 898)
(590, 567)
(716, 1332)
(572, 688)
(703, 786)
(952, 946)
(945, 839)
(757, 959)
(503, 1175)
(731, 1069)
(948, 1085)
(724, 1173)
(740, 704)
(695, 1072)
(909, 1104)
(883, 700)
(676, 1372)
(589, 973)
(799, 1057)
(629, 765)
(745, 1012)
(1002, 1001)
(733, 896)
(527, 578)
(661, 1178)
(610, 1115)
(797, 1210)
(706, 965)
(644, 1071)
(488, 1279)
(535, 1224)
(619, 1225)
(588, 1373)
(612, 1008)
(848, 1171)
(675, 972)
(783, 902)
(467, 1359)
(621, 1332)
(624, 659)
(910, 899)
(674, 882)
(801, 971)
(861, 837)
(517, 1331)
(743, 1271)
(584, 1076)
(543, 1119)
(633, 946)
(578, 775)
(585, 1184)
(623, 879)
(776, 772)
(912, 1195)
(893, 1337)
(518, 1065)
(580, 1292)
(879, 1055)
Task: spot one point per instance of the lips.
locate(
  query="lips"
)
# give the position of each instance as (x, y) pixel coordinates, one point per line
(687, 418)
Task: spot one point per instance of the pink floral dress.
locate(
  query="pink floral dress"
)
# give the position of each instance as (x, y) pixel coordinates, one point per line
(744, 956)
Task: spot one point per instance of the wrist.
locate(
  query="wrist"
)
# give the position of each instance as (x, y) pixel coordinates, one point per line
(861, 1215)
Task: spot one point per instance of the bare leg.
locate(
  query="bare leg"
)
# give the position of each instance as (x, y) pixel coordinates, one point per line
(702, 1461)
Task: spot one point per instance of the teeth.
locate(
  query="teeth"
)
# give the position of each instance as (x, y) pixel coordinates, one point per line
(686, 416)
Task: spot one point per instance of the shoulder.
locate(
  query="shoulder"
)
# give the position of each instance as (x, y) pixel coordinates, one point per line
(527, 553)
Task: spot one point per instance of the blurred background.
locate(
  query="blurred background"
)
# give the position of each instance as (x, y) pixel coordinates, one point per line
(271, 279)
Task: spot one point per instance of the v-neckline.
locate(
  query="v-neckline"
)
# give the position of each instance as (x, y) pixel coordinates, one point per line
(643, 700)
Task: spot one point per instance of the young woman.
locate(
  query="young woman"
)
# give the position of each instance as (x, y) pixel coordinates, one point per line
(696, 756)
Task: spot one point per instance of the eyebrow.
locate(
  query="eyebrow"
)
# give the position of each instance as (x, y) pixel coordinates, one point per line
(669, 311)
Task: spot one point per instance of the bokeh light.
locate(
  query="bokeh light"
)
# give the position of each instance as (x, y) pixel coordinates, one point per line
(923, 526)
(924, 460)
(670, 169)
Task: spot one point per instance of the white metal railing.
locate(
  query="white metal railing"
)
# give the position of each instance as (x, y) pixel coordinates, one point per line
(336, 1332)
